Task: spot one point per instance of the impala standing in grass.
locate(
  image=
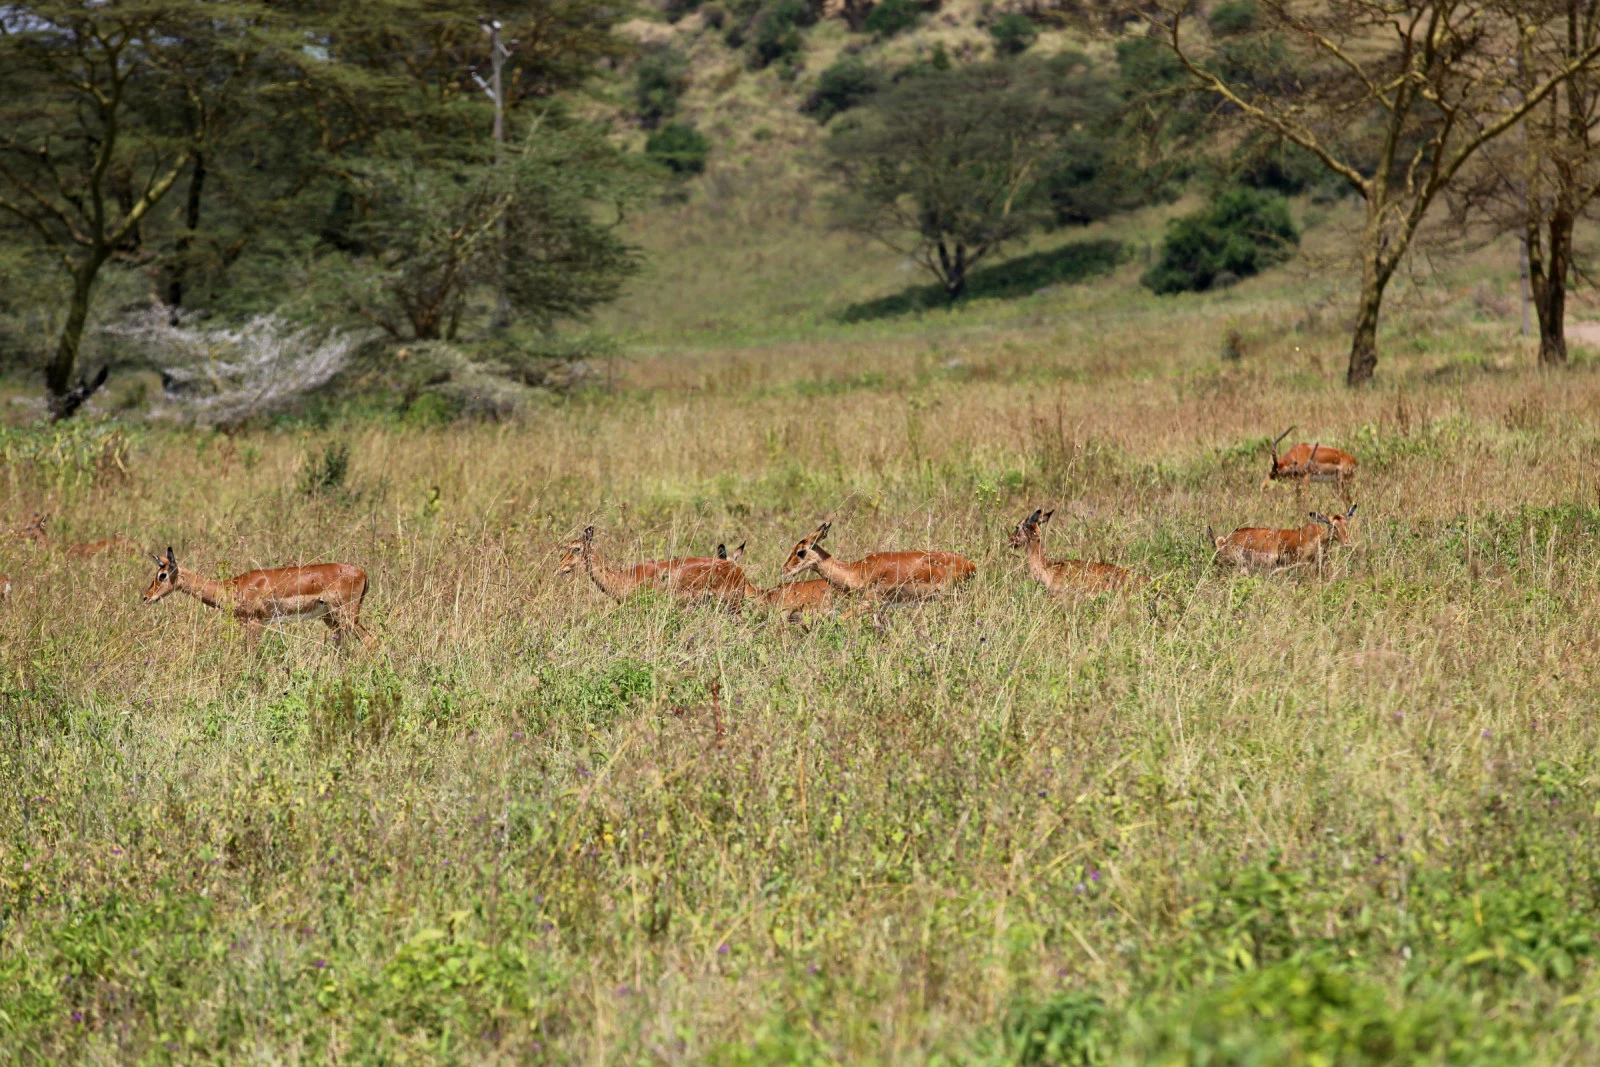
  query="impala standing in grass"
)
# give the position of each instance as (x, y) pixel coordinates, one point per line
(331, 592)
(1311, 463)
(880, 575)
(1255, 546)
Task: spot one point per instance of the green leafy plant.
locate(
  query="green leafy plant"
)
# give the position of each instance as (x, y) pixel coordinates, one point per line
(680, 148)
(1013, 34)
(1240, 233)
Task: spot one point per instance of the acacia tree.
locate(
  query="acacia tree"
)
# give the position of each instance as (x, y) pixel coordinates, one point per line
(103, 107)
(1393, 97)
(949, 166)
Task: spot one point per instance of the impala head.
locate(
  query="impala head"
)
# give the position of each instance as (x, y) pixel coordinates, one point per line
(807, 552)
(732, 557)
(166, 578)
(34, 531)
(572, 552)
(1026, 532)
(1339, 524)
(1272, 470)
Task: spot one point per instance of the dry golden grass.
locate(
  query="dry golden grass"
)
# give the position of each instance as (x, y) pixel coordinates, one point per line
(495, 841)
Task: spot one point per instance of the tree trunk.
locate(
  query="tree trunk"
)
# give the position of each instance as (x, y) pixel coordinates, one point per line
(953, 270)
(1548, 279)
(1364, 341)
(64, 399)
(191, 224)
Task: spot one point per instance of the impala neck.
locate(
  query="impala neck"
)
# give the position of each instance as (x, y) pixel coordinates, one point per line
(1038, 566)
(609, 582)
(212, 594)
(839, 575)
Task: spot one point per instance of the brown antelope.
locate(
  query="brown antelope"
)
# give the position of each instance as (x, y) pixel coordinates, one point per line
(1254, 546)
(791, 598)
(1064, 575)
(35, 532)
(331, 592)
(5, 587)
(888, 575)
(1311, 463)
(686, 578)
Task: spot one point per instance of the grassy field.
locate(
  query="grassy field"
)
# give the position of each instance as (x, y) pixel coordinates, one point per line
(1346, 817)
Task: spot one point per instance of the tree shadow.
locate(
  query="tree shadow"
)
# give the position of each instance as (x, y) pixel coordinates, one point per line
(1022, 276)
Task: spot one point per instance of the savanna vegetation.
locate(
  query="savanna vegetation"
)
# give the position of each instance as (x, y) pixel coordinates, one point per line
(1335, 814)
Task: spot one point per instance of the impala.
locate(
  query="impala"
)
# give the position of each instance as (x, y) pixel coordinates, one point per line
(892, 575)
(1064, 575)
(331, 592)
(5, 586)
(688, 578)
(791, 598)
(35, 532)
(732, 557)
(1254, 546)
(1311, 463)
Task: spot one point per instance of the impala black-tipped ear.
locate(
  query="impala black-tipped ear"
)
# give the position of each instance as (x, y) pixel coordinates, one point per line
(1046, 516)
(1351, 512)
(1033, 520)
(170, 561)
(158, 559)
(588, 533)
(722, 551)
(822, 531)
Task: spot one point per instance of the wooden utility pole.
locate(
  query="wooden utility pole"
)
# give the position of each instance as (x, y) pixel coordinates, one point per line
(498, 54)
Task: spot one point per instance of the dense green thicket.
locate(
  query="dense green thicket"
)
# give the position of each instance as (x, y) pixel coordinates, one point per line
(1240, 233)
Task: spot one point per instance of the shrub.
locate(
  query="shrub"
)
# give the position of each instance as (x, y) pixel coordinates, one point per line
(776, 34)
(1240, 233)
(679, 147)
(660, 77)
(1233, 17)
(890, 17)
(840, 88)
(1013, 34)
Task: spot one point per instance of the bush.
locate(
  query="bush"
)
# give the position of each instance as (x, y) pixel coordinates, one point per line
(840, 88)
(1013, 34)
(661, 76)
(890, 17)
(1233, 17)
(1240, 233)
(679, 147)
(776, 34)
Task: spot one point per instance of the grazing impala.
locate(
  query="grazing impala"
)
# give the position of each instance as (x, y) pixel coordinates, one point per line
(35, 532)
(687, 578)
(890, 575)
(1064, 575)
(1254, 546)
(331, 592)
(1311, 463)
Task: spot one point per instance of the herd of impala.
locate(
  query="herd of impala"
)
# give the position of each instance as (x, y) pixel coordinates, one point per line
(333, 592)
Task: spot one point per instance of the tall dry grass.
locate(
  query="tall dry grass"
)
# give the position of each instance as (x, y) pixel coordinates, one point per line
(1148, 826)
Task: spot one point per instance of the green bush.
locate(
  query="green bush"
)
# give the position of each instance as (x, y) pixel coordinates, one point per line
(1233, 17)
(891, 17)
(1013, 34)
(660, 77)
(1240, 233)
(840, 88)
(679, 147)
(776, 34)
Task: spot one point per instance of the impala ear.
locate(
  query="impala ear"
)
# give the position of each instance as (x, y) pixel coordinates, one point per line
(170, 561)
(588, 534)
(1046, 516)
(158, 559)
(722, 551)
(822, 531)
(1351, 512)
(1033, 520)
